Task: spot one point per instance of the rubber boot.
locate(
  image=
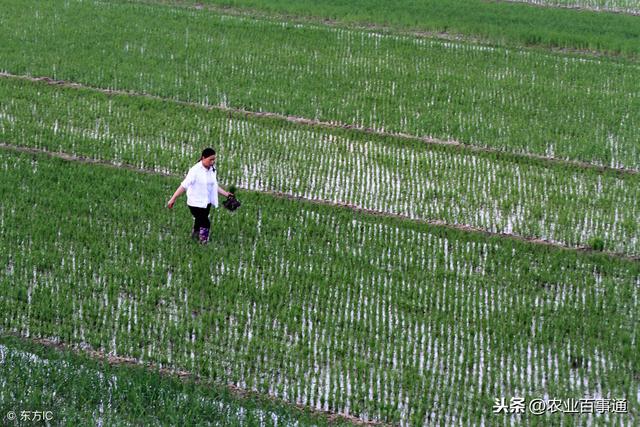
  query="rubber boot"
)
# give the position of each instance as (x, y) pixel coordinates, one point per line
(204, 235)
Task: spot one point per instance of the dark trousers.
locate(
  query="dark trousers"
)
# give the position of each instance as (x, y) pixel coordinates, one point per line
(201, 217)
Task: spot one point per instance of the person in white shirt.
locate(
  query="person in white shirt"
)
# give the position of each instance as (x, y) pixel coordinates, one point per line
(201, 186)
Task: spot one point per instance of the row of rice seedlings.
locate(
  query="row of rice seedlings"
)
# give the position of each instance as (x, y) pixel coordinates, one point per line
(73, 389)
(490, 191)
(383, 319)
(518, 101)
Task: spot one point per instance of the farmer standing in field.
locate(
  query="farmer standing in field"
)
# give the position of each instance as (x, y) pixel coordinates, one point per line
(201, 185)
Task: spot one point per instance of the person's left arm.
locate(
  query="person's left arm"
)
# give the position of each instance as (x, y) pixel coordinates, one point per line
(224, 192)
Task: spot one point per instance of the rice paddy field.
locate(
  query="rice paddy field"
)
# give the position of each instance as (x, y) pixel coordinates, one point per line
(433, 231)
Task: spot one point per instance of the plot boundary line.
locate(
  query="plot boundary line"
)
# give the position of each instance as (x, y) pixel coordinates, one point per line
(329, 203)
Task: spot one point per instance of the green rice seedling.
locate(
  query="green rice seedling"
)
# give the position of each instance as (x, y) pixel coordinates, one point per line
(596, 243)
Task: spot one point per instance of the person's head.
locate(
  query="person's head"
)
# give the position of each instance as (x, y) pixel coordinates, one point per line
(208, 157)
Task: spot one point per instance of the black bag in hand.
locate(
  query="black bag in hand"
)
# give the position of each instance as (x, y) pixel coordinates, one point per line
(231, 203)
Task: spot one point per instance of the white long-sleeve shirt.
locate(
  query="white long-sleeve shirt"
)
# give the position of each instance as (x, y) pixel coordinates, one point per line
(202, 186)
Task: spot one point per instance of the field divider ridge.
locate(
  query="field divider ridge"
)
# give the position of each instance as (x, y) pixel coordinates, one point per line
(329, 203)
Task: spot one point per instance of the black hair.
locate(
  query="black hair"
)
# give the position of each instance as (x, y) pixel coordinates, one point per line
(208, 152)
